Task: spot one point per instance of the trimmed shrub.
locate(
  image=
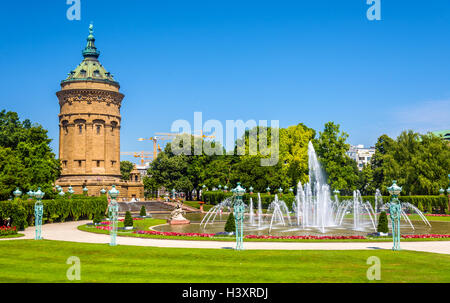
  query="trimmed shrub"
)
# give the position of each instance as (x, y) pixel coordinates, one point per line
(439, 203)
(215, 197)
(60, 209)
(142, 213)
(383, 223)
(128, 219)
(230, 226)
(97, 218)
(420, 206)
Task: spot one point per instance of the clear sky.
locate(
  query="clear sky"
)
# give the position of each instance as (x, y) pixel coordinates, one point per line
(296, 61)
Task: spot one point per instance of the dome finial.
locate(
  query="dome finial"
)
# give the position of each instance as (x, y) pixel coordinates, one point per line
(90, 50)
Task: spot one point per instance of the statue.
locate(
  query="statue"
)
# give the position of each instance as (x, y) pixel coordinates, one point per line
(176, 216)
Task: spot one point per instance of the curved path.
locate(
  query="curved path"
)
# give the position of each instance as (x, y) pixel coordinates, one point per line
(68, 232)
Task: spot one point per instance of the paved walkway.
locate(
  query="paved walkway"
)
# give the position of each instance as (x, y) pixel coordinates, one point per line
(68, 232)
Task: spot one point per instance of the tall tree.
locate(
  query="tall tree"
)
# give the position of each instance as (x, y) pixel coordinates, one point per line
(331, 147)
(125, 169)
(26, 159)
(419, 163)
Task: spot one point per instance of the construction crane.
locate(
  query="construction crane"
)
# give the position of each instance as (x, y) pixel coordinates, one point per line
(155, 140)
(143, 155)
(176, 134)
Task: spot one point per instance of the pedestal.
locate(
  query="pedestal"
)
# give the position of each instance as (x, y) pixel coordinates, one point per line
(178, 222)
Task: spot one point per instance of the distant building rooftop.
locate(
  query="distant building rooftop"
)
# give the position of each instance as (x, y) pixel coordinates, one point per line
(445, 134)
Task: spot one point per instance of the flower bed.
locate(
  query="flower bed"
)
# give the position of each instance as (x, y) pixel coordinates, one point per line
(436, 215)
(7, 230)
(428, 236)
(160, 233)
(268, 237)
(305, 237)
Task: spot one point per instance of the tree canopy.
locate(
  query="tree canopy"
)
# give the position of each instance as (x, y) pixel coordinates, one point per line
(26, 159)
(125, 169)
(420, 163)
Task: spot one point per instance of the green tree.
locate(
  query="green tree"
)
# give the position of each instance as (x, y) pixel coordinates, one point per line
(383, 223)
(419, 163)
(26, 159)
(128, 221)
(366, 181)
(331, 147)
(125, 169)
(230, 225)
(142, 213)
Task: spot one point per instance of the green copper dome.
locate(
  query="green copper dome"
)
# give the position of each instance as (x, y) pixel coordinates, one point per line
(90, 68)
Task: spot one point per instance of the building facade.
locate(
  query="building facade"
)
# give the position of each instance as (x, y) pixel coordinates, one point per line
(361, 155)
(89, 129)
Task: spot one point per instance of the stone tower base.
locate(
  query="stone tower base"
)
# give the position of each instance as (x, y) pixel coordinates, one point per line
(127, 189)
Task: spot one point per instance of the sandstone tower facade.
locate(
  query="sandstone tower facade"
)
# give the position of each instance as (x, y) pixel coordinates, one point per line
(89, 128)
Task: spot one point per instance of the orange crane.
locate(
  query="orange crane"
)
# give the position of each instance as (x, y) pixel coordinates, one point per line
(143, 155)
(156, 146)
(176, 134)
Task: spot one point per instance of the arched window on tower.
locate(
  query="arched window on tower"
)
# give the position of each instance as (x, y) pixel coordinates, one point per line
(65, 128)
(80, 125)
(113, 126)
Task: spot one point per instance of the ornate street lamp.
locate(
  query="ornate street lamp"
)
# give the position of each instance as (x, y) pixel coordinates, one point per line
(280, 190)
(113, 214)
(102, 191)
(225, 188)
(220, 187)
(17, 193)
(268, 190)
(85, 190)
(395, 213)
(70, 191)
(38, 211)
(441, 191)
(30, 194)
(239, 209)
(251, 190)
(173, 193)
(61, 193)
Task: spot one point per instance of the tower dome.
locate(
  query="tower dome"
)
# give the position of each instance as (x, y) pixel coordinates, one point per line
(90, 69)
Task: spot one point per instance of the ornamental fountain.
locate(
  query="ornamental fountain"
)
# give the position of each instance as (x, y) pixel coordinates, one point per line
(314, 209)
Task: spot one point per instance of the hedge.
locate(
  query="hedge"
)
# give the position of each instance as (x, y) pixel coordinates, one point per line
(437, 204)
(215, 197)
(60, 209)
(429, 204)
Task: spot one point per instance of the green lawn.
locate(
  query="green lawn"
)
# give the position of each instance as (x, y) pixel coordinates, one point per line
(429, 218)
(45, 261)
(146, 223)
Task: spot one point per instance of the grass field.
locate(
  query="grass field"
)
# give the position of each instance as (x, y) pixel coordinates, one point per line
(146, 223)
(45, 261)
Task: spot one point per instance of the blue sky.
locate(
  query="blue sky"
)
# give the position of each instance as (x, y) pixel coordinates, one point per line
(294, 61)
